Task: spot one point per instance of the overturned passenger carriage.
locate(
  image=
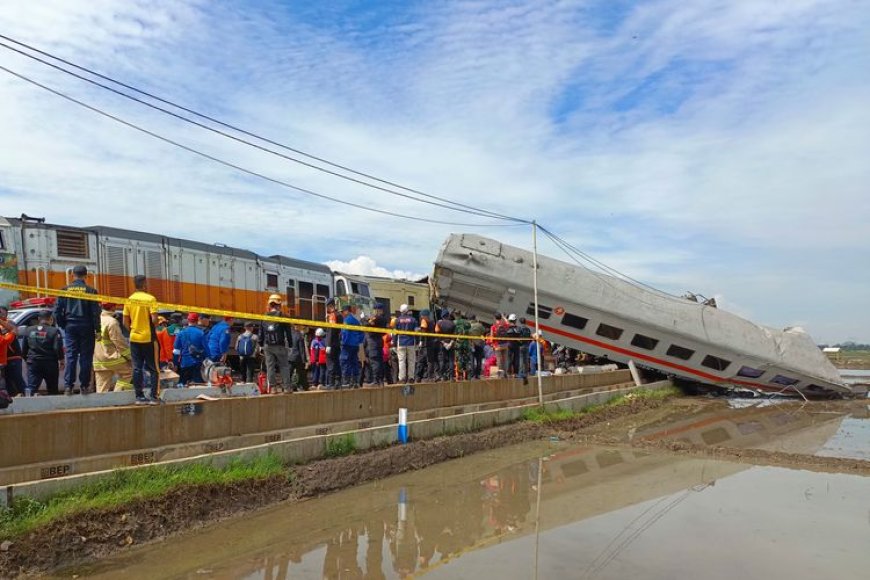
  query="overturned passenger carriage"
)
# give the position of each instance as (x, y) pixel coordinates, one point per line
(606, 316)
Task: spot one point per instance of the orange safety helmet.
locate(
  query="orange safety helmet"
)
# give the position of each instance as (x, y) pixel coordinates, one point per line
(275, 299)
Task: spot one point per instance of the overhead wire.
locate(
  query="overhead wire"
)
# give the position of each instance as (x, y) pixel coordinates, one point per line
(236, 166)
(442, 202)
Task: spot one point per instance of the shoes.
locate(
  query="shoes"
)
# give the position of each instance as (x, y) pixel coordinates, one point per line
(154, 402)
(141, 401)
(68, 391)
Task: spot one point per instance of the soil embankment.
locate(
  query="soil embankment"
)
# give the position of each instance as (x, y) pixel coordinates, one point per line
(98, 533)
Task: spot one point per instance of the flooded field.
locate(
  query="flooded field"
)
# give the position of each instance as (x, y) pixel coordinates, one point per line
(557, 510)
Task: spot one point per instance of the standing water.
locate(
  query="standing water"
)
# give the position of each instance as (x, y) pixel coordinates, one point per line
(543, 511)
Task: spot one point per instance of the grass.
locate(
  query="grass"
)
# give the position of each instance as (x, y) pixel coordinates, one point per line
(851, 359)
(125, 486)
(540, 415)
(341, 446)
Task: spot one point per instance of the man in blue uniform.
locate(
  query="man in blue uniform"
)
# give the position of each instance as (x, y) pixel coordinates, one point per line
(350, 343)
(80, 321)
(219, 340)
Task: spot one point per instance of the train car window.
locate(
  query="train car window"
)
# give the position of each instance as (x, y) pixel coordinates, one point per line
(749, 372)
(271, 280)
(714, 362)
(323, 290)
(784, 381)
(2, 244)
(364, 290)
(544, 312)
(354, 287)
(71, 244)
(574, 321)
(411, 300)
(340, 288)
(608, 331)
(644, 342)
(306, 304)
(680, 352)
(306, 290)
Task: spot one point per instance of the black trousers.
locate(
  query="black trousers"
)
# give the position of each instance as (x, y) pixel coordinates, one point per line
(476, 361)
(375, 363)
(446, 362)
(333, 367)
(144, 363)
(249, 368)
(43, 370)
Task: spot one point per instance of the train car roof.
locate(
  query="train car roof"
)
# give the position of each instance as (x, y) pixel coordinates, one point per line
(297, 263)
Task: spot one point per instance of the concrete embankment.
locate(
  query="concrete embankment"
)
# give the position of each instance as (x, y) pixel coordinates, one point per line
(48, 452)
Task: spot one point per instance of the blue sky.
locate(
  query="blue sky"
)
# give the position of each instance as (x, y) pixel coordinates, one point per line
(717, 146)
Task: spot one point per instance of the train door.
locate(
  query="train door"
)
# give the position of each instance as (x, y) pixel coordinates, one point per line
(306, 300)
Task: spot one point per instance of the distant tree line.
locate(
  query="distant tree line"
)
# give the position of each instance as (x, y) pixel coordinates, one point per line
(848, 345)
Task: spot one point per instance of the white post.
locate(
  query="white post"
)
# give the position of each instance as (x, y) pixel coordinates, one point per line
(635, 374)
(537, 321)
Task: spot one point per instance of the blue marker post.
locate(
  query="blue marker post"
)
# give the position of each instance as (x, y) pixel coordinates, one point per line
(403, 426)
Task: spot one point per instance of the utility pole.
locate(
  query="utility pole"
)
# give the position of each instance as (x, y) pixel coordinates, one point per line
(537, 321)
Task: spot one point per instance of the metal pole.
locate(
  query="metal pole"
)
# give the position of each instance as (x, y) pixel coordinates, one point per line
(537, 320)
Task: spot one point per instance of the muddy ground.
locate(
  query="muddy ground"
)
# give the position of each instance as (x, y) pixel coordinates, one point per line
(96, 534)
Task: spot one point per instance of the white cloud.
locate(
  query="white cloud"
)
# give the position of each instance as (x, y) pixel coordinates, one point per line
(709, 145)
(366, 266)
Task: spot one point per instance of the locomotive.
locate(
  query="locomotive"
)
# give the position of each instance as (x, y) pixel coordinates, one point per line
(42, 255)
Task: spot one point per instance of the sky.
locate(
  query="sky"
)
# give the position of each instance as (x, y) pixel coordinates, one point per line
(713, 146)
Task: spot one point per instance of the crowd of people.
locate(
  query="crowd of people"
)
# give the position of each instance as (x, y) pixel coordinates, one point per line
(126, 348)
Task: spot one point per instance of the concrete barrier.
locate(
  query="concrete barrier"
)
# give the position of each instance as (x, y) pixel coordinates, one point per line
(61, 443)
(309, 447)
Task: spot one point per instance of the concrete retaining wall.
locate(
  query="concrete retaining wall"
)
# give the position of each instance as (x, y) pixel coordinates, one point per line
(307, 448)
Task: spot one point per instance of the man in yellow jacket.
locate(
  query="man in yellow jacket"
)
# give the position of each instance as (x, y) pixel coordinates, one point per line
(112, 353)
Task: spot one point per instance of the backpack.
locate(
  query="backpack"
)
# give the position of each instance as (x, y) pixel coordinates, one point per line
(512, 331)
(245, 345)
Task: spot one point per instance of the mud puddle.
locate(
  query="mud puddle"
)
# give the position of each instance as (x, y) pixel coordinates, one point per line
(542, 510)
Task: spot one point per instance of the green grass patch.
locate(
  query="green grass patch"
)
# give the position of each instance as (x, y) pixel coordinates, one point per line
(126, 486)
(540, 415)
(341, 445)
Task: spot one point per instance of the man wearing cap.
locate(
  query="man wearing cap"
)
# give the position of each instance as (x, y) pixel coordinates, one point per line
(112, 353)
(80, 321)
(276, 338)
(375, 346)
(333, 347)
(406, 348)
(190, 348)
(350, 343)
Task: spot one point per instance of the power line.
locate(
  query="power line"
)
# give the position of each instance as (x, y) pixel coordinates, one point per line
(444, 202)
(235, 166)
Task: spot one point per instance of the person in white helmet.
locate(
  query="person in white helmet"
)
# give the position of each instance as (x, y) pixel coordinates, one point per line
(318, 359)
(406, 344)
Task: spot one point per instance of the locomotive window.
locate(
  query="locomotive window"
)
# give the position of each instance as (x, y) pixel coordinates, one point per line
(680, 352)
(271, 280)
(354, 287)
(714, 362)
(340, 288)
(72, 244)
(644, 342)
(2, 245)
(291, 294)
(410, 300)
(574, 321)
(323, 290)
(784, 381)
(608, 331)
(750, 372)
(306, 290)
(364, 290)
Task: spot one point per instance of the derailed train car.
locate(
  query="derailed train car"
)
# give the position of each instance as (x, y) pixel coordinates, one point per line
(42, 255)
(606, 316)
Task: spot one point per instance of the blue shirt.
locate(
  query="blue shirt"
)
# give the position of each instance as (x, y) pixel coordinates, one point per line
(351, 338)
(190, 345)
(218, 340)
(406, 322)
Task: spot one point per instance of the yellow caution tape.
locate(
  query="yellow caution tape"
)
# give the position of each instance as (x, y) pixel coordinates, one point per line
(240, 315)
